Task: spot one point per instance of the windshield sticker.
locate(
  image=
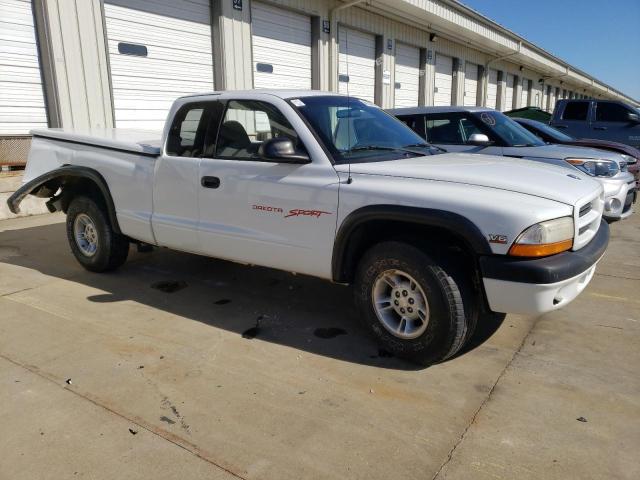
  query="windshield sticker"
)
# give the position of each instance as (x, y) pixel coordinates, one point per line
(297, 102)
(488, 119)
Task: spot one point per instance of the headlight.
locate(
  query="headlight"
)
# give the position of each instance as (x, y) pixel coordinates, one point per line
(628, 160)
(544, 238)
(595, 168)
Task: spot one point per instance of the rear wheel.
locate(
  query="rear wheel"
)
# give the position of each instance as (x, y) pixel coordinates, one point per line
(92, 238)
(411, 304)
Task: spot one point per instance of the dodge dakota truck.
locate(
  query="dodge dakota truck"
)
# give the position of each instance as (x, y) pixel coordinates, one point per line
(331, 186)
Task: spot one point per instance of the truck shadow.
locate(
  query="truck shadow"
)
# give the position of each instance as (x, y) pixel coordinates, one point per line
(259, 304)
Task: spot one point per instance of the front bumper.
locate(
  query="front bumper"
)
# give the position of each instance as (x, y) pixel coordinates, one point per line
(540, 285)
(619, 196)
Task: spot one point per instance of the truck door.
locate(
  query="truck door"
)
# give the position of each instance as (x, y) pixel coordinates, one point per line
(574, 118)
(175, 192)
(263, 212)
(612, 122)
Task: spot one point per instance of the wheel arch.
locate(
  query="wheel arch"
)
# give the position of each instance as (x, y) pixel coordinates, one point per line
(366, 226)
(62, 184)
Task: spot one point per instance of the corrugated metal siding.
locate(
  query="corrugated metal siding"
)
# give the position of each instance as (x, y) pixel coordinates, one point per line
(282, 39)
(492, 88)
(470, 84)
(22, 105)
(177, 36)
(79, 60)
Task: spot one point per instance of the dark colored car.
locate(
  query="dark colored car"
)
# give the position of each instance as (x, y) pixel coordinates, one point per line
(532, 113)
(551, 135)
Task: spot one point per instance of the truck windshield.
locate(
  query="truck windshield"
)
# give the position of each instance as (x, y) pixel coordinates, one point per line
(512, 134)
(355, 131)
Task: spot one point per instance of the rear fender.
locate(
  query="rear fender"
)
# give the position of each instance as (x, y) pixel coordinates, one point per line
(52, 184)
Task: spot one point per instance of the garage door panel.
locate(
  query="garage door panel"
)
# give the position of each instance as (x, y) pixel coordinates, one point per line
(280, 38)
(357, 62)
(442, 80)
(407, 76)
(22, 105)
(179, 60)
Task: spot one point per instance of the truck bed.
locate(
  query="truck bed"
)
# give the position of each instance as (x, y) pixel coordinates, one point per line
(142, 142)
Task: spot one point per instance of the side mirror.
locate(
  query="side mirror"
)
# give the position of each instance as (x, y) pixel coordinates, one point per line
(281, 150)
(633, 117)
(479, 139)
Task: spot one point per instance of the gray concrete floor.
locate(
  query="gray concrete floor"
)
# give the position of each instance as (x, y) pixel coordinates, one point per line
(103, 376)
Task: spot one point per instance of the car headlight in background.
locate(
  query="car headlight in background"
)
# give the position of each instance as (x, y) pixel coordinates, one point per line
(544, 238)
(594, 167)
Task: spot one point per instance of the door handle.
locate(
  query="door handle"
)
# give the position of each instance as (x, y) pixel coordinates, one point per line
(560, 126)
(210, 182)
(599, 128)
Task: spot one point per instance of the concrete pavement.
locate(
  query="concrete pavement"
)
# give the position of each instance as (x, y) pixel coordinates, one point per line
(226, 371)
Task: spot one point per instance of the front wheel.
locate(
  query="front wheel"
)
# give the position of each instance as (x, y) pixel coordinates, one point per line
(92, 238)
(411, 304)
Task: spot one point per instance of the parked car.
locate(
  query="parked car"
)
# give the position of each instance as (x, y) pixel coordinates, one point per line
(533, 113)
(486, 131)
(603, 119)
(549, 134)
(331, 186)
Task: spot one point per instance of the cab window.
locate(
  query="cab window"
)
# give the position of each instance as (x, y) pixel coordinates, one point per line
(193, 124)
(576, 111)
(611, 112)
(247, 124)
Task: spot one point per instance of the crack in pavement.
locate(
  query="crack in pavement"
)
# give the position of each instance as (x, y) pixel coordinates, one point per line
(139, 422)
(484, 402)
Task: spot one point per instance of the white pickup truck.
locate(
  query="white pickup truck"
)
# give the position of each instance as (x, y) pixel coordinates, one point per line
(331, 186)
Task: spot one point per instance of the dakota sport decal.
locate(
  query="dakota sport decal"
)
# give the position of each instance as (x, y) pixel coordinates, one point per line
(295, 212)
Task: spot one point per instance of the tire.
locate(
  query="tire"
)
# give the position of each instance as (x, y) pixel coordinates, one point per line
(99, 248)
(433, 335)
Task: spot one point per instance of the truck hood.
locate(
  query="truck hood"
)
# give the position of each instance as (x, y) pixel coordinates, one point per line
(562, 152)
(522, 176)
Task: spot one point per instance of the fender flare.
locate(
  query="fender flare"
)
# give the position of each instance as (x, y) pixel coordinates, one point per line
(455, 223)
(61, 174)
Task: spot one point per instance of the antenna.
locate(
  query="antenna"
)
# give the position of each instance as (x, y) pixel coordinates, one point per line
(346, 47)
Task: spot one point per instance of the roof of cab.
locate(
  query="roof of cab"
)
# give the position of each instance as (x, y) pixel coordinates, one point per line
(284, 94)
(447, 109)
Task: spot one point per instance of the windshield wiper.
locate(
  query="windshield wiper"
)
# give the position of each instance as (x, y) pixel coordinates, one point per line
(425, 145)
(381, 147)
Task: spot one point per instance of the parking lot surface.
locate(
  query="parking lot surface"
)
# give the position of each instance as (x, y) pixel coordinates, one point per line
(183, 366)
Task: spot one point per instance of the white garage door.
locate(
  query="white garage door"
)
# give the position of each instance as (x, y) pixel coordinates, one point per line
(524, 96)
(443, 80)
(158, 50)
(281, 48)
(357, 69)
(21, 98)
(407, 78)
(470, 84)
(508, 100)
(492, 89)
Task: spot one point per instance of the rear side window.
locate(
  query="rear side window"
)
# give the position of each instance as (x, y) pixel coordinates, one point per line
(575, 111)
(611, 112)
(444, 130)
(192, 128)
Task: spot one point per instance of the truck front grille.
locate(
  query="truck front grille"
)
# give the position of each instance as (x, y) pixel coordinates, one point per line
(587, 215)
